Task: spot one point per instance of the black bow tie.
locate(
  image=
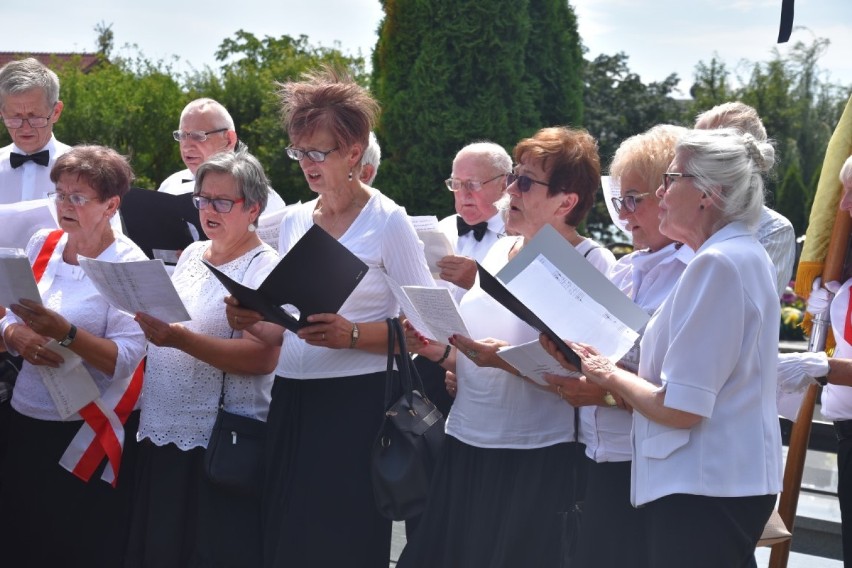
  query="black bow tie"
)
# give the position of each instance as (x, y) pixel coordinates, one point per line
(478, 229)
(41, 158)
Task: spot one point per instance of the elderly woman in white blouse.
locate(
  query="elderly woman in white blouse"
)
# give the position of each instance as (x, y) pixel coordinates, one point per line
(180, 518)
(706, 440)
(327, 401)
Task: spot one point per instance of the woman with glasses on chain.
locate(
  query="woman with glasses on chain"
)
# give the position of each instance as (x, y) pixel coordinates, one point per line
(49, 516)
(706, 445)
(328, 396)
(647, 275)
(502, 487)
(180, 518)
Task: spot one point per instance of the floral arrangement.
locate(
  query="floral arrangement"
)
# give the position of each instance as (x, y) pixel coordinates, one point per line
(792, 313)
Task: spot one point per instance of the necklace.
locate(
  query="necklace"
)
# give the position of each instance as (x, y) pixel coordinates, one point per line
(352, 204)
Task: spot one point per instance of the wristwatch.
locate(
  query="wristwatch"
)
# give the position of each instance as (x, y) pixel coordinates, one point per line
(353, 336)
(609, 399)
(69, 337)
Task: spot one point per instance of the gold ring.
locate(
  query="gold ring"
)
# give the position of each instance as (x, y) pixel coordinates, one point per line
(323, 336)
(35, 355)
(559, 391)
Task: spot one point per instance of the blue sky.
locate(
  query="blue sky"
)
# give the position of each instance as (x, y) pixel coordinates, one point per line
(660, 36)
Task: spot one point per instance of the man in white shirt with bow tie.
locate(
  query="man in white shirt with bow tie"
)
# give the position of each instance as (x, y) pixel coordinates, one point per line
(29, 106)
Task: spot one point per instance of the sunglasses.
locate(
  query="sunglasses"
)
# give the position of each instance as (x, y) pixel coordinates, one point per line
(219, 205)
(628, 202)
(524, 182)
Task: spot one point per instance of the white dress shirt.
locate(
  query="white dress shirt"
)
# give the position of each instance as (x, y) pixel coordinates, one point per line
(778, 237)
(836, 399)
(467, 245)
(647, 277)
(30, 180)
(494, 408)
(713, 347)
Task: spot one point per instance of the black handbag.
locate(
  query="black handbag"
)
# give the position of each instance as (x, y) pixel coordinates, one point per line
(412, 433)
(234, 458)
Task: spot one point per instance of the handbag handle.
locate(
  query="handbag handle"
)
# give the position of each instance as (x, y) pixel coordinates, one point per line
(408, 375)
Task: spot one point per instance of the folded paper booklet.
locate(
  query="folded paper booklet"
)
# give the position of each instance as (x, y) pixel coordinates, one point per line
(136, 286)
(16, 278)
(70, 385)
(553, 288)
(431, 310)
(435, 243)
(316, 276)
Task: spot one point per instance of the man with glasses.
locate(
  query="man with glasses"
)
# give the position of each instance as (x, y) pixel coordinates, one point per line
(478, 183)
(29, 106)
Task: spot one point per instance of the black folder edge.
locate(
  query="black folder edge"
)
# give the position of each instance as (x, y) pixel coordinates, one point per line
(494, 288)
(260, 301)
(254, 300)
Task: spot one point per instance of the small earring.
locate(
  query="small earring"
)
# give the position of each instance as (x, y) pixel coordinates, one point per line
(252, 227)
(350, 175)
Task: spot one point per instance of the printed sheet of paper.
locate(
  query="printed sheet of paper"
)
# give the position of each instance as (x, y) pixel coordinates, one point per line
(16, 278)
(70, 385)
(431, 311)
(435, 243)
(532, 361)
(138, 286)
(20, 221)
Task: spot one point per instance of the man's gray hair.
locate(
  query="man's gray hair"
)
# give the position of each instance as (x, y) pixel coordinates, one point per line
(24, 75)
(205, 104)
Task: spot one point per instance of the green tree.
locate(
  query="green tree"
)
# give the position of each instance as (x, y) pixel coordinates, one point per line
(618, 105)
(449, 73)
(245, 84)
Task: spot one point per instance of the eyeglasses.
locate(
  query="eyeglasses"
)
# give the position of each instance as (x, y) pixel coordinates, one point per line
(670, 177)
(628, 202)
(524, 182)
(196, 135)
(455, 184)
(219, 205)
(74, 199)
(33, 121)
(313, 155)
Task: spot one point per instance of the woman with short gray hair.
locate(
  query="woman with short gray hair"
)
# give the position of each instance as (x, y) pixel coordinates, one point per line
(180, 518)
(703, 397)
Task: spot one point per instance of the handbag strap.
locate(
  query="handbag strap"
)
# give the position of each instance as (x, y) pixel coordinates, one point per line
(224, 374)
(409, 378)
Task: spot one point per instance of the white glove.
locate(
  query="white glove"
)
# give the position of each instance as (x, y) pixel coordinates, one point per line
(820, 298)
(796, 371)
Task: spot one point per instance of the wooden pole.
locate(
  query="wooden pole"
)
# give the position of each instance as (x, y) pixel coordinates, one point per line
(801, 431)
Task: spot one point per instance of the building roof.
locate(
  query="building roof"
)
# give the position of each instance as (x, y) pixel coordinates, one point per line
(87, 61)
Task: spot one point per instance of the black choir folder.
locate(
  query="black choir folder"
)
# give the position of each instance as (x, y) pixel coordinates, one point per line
(156, 220)
(316, 276)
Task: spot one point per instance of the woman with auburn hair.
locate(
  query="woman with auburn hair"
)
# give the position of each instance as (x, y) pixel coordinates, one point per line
(502, 489)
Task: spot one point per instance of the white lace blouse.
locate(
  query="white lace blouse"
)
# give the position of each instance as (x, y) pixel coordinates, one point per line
(180, 395)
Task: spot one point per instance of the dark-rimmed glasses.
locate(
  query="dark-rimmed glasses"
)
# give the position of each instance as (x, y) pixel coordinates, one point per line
(670, 177)
(196, 135)
(220, 205)
(628, 202)
(74, 199)
(524, 182)
(455, 184)
(313, 155)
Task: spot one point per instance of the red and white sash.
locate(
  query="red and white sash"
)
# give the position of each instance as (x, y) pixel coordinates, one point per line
(102, 432)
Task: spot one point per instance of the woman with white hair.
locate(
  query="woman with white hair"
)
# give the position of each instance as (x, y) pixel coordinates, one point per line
(706, 440)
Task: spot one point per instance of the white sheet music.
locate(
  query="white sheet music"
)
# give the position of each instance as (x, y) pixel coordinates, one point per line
(138, 286)
(70, 385)
(532, 361)
(579, 318)
(435, 243)
(432, 311)
(16, 278)
(20, 221)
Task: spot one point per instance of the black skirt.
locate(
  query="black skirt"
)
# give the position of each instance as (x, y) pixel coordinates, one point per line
(181, 520)
(48, 516)
(318, 506)
(494, 507)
